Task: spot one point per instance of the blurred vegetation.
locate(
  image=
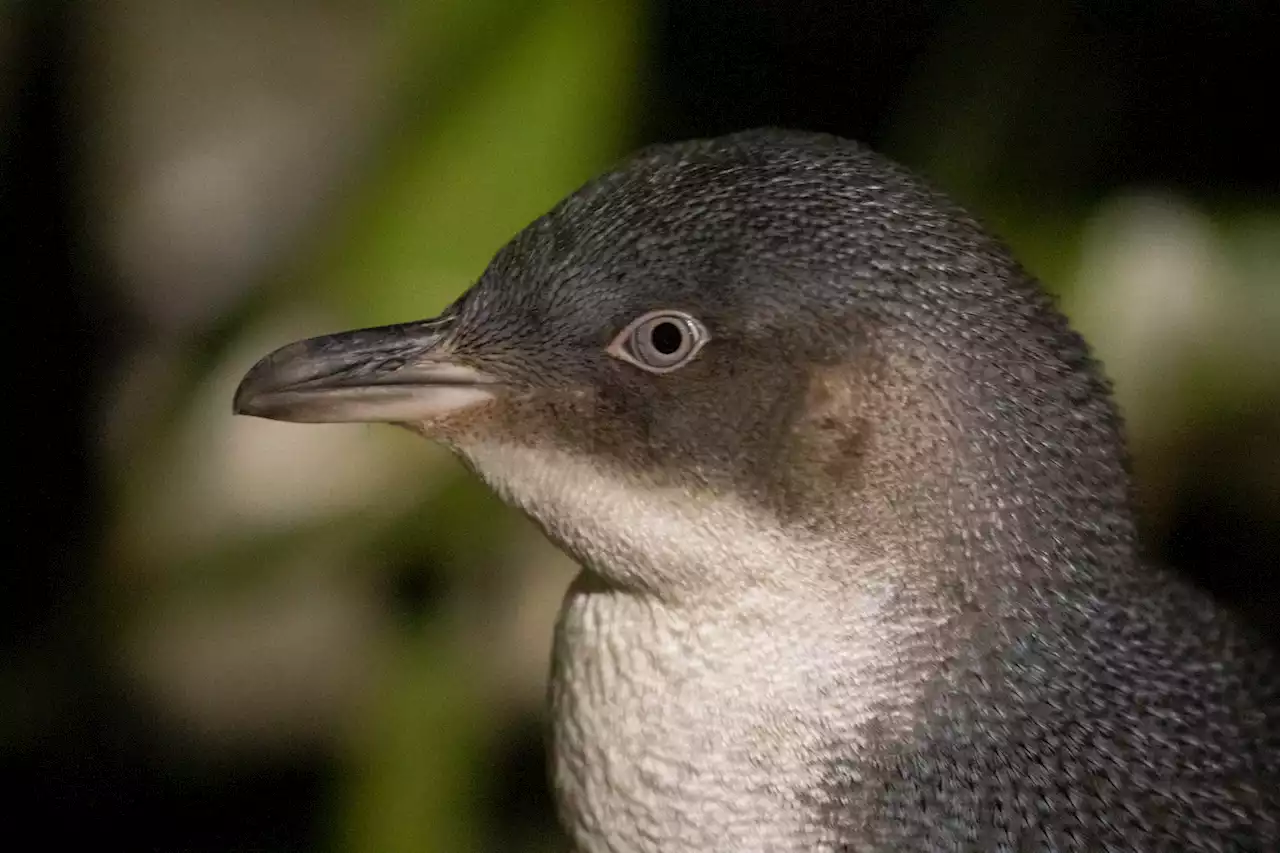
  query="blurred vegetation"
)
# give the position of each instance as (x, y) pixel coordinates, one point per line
(257, 636)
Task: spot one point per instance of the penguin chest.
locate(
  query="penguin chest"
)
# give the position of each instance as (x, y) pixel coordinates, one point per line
(674, 735)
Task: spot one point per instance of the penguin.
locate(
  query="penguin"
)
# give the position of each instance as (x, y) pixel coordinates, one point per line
(853, 510)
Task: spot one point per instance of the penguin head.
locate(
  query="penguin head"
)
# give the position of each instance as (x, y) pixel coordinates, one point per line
(728, 352)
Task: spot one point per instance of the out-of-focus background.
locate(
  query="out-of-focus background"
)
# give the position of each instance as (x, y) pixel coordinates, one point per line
(227, 634)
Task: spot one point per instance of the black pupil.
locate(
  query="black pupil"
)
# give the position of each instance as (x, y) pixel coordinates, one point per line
(666, 337)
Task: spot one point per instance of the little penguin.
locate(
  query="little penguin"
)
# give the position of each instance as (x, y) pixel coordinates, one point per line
(853, 512)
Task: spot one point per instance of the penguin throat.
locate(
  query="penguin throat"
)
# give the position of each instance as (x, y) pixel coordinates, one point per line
(708, 670)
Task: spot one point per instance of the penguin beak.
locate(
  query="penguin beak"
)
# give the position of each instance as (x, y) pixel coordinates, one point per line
(389, 374)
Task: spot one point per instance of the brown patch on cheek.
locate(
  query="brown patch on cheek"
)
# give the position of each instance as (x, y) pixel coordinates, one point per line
(848, 462)
(871, 454)
(830, 439)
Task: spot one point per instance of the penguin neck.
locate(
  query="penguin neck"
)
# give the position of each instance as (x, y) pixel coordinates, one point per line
(708, 667)
(995, 463)
(1039, 504)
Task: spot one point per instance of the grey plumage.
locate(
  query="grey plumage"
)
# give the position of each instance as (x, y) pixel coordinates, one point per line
(862, 573)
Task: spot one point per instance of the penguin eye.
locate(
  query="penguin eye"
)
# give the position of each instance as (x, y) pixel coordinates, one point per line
(659, 341)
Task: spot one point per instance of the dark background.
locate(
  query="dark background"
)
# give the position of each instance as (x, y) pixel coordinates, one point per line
(229, 635)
